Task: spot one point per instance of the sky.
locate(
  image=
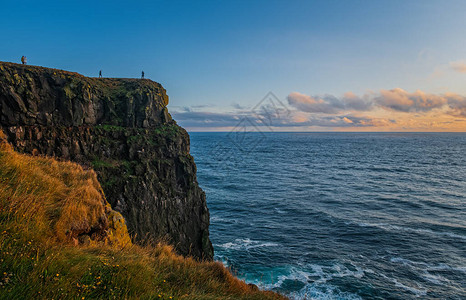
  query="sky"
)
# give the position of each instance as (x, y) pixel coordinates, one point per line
(275, 65)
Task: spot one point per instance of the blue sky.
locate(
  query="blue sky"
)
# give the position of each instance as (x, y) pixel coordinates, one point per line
(219, 58)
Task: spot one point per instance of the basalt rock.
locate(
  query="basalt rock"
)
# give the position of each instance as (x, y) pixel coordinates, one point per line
(122, 129)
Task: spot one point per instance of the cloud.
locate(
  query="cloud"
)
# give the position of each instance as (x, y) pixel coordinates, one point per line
(385, 110)
(396, 99)
(238, 106)
(199, 119)
(342, 121)
(354, 102)
(401, 100)
(206, 119)
(327, 104)
(419, 101)
(458, 66)
(348, 121)
(457, 105)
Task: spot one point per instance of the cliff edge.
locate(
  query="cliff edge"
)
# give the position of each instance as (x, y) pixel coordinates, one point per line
(122, 129)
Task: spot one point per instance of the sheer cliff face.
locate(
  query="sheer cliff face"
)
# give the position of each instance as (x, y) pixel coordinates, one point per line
(122, 129)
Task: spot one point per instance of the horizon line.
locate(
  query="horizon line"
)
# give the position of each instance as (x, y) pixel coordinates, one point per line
(464, 132)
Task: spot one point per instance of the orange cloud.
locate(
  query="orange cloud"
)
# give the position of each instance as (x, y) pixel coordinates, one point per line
(387, 110)
(394, 100)
(401, 100)
(458, 66)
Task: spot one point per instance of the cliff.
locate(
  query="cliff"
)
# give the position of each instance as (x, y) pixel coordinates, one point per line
(121, 128)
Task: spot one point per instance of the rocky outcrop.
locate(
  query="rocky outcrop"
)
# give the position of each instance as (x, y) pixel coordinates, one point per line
(122, 129)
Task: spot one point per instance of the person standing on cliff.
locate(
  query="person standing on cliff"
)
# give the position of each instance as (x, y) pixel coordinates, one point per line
(24, 60)
(100, 74)
(142, 75)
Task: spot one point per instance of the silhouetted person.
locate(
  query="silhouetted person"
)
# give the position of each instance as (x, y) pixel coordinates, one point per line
(24, 60)
(142, 75)
(100, 74)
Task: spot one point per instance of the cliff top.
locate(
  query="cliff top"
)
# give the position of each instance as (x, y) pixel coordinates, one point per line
(51, 71)
(33, 95)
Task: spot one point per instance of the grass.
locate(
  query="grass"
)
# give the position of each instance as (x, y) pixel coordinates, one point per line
(107, 127)
(47, 206)
(170, 130)
(98, 163)
(52, 199)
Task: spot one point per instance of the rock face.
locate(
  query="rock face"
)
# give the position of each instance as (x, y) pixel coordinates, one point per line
(122, 129)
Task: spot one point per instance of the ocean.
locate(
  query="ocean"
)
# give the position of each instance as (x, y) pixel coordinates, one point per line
(339, 215)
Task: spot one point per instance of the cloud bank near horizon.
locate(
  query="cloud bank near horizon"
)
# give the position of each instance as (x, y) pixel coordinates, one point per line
(386, 110)
(397, 100)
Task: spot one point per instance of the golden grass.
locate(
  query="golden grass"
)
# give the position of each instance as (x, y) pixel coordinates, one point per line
(60, 198)
(46, 204)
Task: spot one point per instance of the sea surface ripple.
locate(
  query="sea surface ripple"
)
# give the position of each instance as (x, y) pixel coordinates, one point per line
(339, 215)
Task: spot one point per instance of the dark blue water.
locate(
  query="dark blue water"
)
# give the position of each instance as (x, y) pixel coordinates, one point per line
(339, 215)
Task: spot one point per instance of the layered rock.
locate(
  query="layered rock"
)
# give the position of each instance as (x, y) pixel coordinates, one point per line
(121, 128)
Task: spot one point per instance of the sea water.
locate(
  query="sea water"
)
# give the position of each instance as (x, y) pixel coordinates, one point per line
(339, 215)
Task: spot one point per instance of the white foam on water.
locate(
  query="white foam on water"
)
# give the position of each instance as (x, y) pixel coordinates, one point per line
(325, 272)
(279, 210)
(315, 279)
(246, 244)
(427, 267)
(425, 270)
(216, 219)
(435, 279)
(402, 260)
(390, 227)
(324, 292)
(445, 267)
(418, 292)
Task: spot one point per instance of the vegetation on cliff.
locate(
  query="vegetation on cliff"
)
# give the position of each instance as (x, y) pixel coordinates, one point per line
(59, 239)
